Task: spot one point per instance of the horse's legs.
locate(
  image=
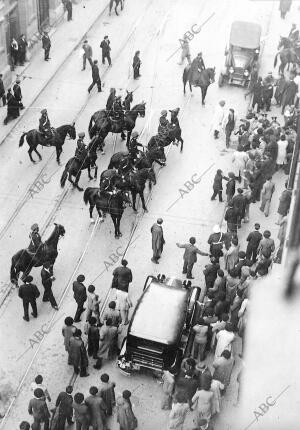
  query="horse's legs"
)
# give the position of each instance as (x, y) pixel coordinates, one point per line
(110, 6)
(114, 220)
(116, 10)
(203, 92)
(181, 146)
(91, 208)
(99, 213)
(122, 7)
(190, 86)
(123, 135)
(133, 194)
(30, 152)
(96, 172)
(77, 177)
(37, 152)
(128, 137)
(58, 152)
(184, 85)
(118, 219)
(89, 172)
(141, 193)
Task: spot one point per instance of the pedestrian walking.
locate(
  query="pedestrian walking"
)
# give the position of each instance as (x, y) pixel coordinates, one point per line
(69, 9)
(267, 91)
(289, 94)
(185, 50)
(113, 314)
(18, 92)
(218, 186)
(231, 217)
(284, 203)
(218, 118)
(96, 408)
(280, 86)
(107, 344)
(229, 125)
(224, 340)
(46, 45)
(267, 244)
(223, 366)
(82, 418)
(168, 384)
(216, 388)
(200, 340)
(2, 91)
(93, 338)
(266, 195)
(29, 292)
(64, 403)
(281, 155)
(13, 107)
(136, 64)
(14, 53)
(22, 44)
(38, 383)
(190, 256)
(77, 354)
(178, 413)
(95, 77)
(47, 278)
(257, 94)
(125, 416)
(68, 331)
(91, 302)
(107, 393)
(239, 160)
(253, 240)
(231, 255)
(122, 277)
(211, 272)
(263, 265)
(215, 242)
(158, 240)
(39, 410)
(79, 296)
(239, 205)
(87, 54)
(202, 403)
(230, 186)
(105, 46)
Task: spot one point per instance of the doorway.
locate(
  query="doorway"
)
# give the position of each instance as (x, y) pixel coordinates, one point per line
(43, 13)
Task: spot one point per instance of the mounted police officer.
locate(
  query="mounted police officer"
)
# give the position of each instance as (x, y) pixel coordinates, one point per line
(197, 67)
(110, 101)
(44, 125)
(81, 151)
(36, 243)
(164, 124)
(118, 113)
(133, 146)
(107, 186)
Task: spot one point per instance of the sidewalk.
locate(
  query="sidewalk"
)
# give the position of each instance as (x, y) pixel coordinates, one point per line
(65, 38)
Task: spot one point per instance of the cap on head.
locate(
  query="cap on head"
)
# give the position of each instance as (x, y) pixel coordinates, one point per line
(164, 113)
(24, 425)
(28, 278)
(112, 304)
(257, 226)
(159, 221)
(85, 41)
(34, 227)
(18, 80)
(216, 229)
(38, 393)
(135, 134)
(124, 262)
(38, 379)
(43, 111)
(91, 288)
(104, 377)
(80, 278)
(126, 394)
(81, 134)
(93, 391)
(192, 240)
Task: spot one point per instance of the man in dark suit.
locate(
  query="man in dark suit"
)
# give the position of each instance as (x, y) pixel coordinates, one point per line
(2, 91)
(122, 276)
(47, 278)
(46, 43)
(95, 77)
(79, 296)
(29, 293)
(253, 240)
(18, 92)
(239, 204)
(105, 46)
(190, 256)
(22, 42)
(231, 217)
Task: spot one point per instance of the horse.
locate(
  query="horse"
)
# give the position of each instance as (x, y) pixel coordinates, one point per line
(74, 166)
(135, 183)
(114, 205)
(111, 3)
(100, 123)
(167, 137)
(206, 77)
(123, 161)
(287, 53)
(23, 261)
(35, 138)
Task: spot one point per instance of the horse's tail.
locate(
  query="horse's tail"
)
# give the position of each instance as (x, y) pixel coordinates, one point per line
(22, 138)
(111, 164)
(91, 125)
(64, 177)
(13, 271)
(86, 195)
(185, 75)
(275, 60)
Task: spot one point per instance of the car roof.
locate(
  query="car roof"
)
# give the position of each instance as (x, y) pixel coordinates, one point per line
(160, 313)
(245, 34)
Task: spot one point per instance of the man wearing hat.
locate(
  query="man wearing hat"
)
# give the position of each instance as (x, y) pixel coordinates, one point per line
(190, 256)
(36, 243)
(81, 151)
(105, 46)
(18, 93)
(164, 124)
(47, 278)
(110, 101)
(44, 125)
(215, 241)
(95, 77)
(267, 91)
(46, 45)
(196, 67)
(293, 34)
(253, 239)
(29, 292)
(218, 118)
(158, 240)
(87, 54)
(133, 146)
(117, 109)
(80, 296)
(39, 410)
(231, 217)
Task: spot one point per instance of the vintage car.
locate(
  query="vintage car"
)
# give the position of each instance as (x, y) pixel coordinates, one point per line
(160, 332)
(242, 54)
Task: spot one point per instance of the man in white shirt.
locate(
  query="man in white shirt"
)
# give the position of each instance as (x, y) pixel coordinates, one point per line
(297, 82)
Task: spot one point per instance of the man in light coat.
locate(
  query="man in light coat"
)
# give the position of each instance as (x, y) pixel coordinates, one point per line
(266, 195)
(218, 118)
(158, 240)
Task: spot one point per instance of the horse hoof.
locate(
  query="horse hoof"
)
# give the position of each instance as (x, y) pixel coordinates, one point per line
(120, 234)
(145, 210)
(92, 221)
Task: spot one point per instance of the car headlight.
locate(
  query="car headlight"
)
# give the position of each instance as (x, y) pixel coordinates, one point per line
(256, 51)
(246, 72)
(231, 70)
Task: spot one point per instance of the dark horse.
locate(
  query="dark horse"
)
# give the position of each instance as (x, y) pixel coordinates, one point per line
(23, 261)
(135, 182)
(114, 205)
(123, 161)
(35, 138)
(102, 124)
(74, 166)
(111, 3)
(288, 54)
(165, 138)
(205, 78)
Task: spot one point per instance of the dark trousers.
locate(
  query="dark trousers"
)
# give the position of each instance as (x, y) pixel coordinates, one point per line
(46, 53)
(215, 193)
(81, 371)
(228, 132)
(62, 421)
(267, 103)
(22, 56)
(36, 425)
(187, 268)
(258, 102)
(48, 296)
(95, 82)
(251, 253)
(69, 12)
(26, 307)
(106, 55)
(84, 58)
(79, 311)
(136, 72)
(82, 426)
(3, 97)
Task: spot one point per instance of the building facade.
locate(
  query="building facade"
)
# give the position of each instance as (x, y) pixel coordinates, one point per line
(28, 17)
